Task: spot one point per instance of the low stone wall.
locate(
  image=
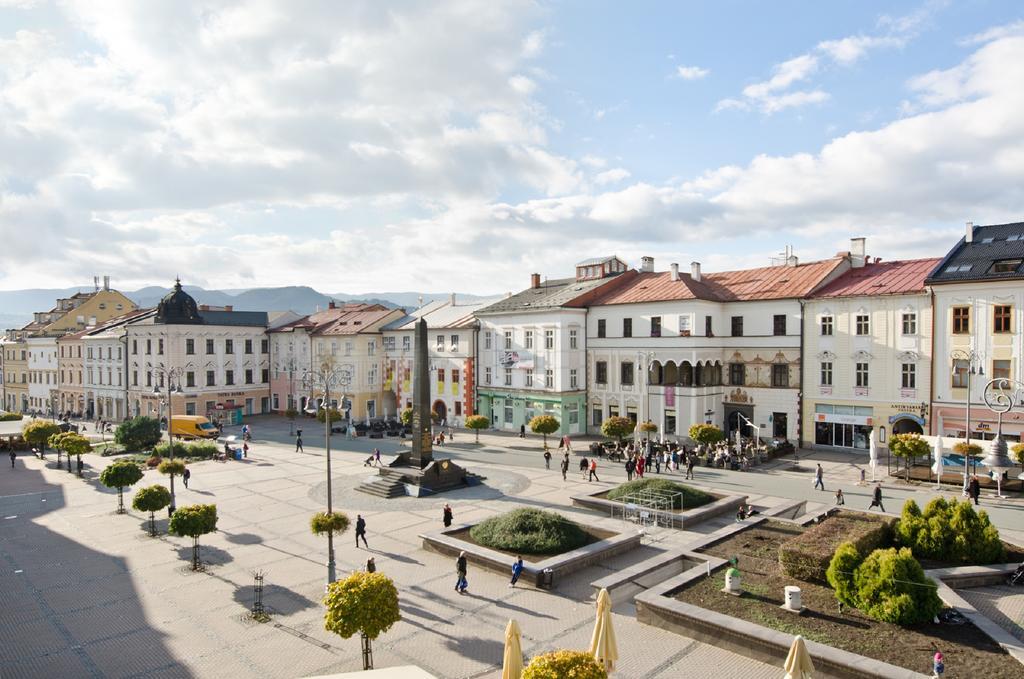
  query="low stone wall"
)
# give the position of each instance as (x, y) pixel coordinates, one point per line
(561, 565)
(727, 504)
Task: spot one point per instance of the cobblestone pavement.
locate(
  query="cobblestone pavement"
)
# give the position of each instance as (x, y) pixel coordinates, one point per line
(1001, 604)
(85, 592)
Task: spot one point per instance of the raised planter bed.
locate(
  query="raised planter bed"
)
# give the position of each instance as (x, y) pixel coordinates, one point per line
(682, 519)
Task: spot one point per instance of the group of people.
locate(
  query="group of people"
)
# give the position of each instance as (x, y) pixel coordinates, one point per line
(462, 567)
(876, 494)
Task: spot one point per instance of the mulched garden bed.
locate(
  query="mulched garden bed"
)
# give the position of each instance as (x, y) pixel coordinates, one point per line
(593, 535)
(969, 652)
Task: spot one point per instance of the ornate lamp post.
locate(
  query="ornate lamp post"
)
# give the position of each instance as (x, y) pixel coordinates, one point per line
(975, 366)
(172, 381)
(1001, 396)
(329, 377)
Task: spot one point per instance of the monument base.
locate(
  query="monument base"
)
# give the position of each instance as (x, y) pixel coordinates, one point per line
(400, 478)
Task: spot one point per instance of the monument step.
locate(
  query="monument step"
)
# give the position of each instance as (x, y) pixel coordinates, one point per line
(383, 488)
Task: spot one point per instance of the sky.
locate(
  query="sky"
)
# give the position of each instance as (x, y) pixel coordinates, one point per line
(462, 145)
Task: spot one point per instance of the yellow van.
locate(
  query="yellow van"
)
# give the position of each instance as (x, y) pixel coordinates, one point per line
(193, 427)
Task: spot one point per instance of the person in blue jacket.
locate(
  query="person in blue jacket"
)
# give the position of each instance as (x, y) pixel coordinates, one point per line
(517, 570)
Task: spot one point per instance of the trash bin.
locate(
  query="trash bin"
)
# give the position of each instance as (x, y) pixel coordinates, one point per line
(547, 578)
(238, 454)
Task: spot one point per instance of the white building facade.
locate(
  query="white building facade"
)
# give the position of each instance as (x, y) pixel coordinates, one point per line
(42, 373)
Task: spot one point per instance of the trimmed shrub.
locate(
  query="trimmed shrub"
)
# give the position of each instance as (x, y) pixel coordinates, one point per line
(690, 498)
(38, 432)
(544, 425)
(362, 603)
(841, 571)
(321, 415)
(647, 427)
(563, 665)
(476, 423)
(193, 521)
(808, 555)
(10, 417)
(120, 475)
(949, 531)
(910, 447)
(199, 450)
(529, 531)
(617, 427)
(891, 587)
(151, 499)
(706, 434)
(138, 433)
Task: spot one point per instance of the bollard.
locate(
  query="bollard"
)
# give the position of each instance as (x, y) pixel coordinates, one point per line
(733, 583)
(793, 599)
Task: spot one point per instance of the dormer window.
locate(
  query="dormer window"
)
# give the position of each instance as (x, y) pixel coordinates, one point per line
(1006, 265)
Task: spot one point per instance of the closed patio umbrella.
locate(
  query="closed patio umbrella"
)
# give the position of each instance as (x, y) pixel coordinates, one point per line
(512, 663)
(873, 452)
(602, 644)
(798, 662)
(937, 466)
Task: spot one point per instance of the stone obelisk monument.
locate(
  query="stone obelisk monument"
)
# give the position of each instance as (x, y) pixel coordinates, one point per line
(422, 434)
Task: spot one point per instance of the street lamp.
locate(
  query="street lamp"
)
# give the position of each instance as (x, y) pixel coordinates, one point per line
(172, 378)
(328, 377)
(1000, 401)
(975, 366)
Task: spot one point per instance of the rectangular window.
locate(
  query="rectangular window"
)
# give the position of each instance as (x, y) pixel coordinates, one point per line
(960, 374)
(248, 375)
(1001, 318)
(909, 376)
(508, 339)
(458, 408)
(779, 324)
(529, 377)
(627, 327)
(601, 372)
(439, 343)
(487, 375)
(601, 327)
(1006, 265)
(160, 347)
(455, 342)
(371, 348)
(135, 378)
(707, 327)
(909, 323)
(736, 375)
(211, 379)
(265, 375)
(407, 343)
(780, 375)
(190, 346)
(549, 339)
(440, 374)
(1001, 369)
(863, 324)
(549, 378)
(487, 340)
(264, 346)
(508, 377)
(248, 346)
(862, 374)
(826, 373)
(573, 338)
(149, 378)
(229, 346)
(348, 348)
(209, 346)
(961, 320)
(229, 377)
(528, 339)
(149, 347)
(626, 372)
(190, 379)
(655, 326)
(135, 347)
(573, 379)
(684, 326)
(737, 326)
(508, 412)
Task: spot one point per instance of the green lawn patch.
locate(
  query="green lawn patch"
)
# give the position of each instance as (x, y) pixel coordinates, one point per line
(530, 531)
(690, 498)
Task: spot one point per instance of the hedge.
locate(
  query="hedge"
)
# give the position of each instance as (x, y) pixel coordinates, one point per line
(10, 417)
(199, 450)
(529, 531)
(888, 585)
(690, 498)
(564, 664)
(807, 556)
(950, 531)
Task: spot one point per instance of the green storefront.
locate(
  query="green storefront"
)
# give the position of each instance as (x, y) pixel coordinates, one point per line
(509, 409)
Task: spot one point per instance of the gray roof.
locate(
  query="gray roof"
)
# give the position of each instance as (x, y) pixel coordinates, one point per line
(975, 261)
(596, 260)
(550, 295)
(246, 318)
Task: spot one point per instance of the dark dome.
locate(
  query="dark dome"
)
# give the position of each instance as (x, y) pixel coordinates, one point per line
(178, 307)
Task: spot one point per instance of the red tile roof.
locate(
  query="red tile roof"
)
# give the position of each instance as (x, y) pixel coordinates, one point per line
(358, 321)
(321, 320)
(770, 282)
(901, 277)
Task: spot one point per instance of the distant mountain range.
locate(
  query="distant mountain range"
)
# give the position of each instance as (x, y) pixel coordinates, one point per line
(17, 306)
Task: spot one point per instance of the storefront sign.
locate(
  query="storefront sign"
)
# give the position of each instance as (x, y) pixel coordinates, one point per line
(842, 419)
(906, 416)
(229, 394)
(670, 397)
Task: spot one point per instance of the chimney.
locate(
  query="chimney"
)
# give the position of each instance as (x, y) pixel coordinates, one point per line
(228, 307)
(332, 305)
(96, 283)
(970, 232)
(695, 271)
(792, 261)
(675, 271)
(106, 282)
(535, 280)
(647, 264)
(857, 252)
(451, 300)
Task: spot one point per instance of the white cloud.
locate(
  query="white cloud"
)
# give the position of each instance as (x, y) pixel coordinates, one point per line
(770, 96)
(994, 33)
(522, 84)
(851, 49)
(611, 176)
(691, 72)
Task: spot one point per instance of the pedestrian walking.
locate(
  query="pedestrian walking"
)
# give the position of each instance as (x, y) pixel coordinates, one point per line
(593, 471)
(657, 464)
(877, 497)
(460, 569)
(298, 444)
(640, 465)
(568, 443)
(565, 466)
(690, 462)
(517, 570)
(547, 459)
(14, 456)
(361, 530)
(186, 475)
(974, 489)
(818, 478)
(522, 431)
(245, 449)
(446, 515)
(630, 466)
(371, 565)
(840, 500)
(584, 466)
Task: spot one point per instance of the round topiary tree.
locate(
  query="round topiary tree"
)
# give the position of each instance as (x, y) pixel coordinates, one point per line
(892, 587)
(562, 664)
(151, 499)
(617, 427)
(138, 433)
(647, 427)
(476, 423)
(75, 444)
(323, 413)
(909, 447)
(120, 475)
(706, 434)
(972, 451)
(544, 425)
(406, 417)
(363, 603)
(54, 442)
(529, 531)
(193, 521)
(38, 432)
